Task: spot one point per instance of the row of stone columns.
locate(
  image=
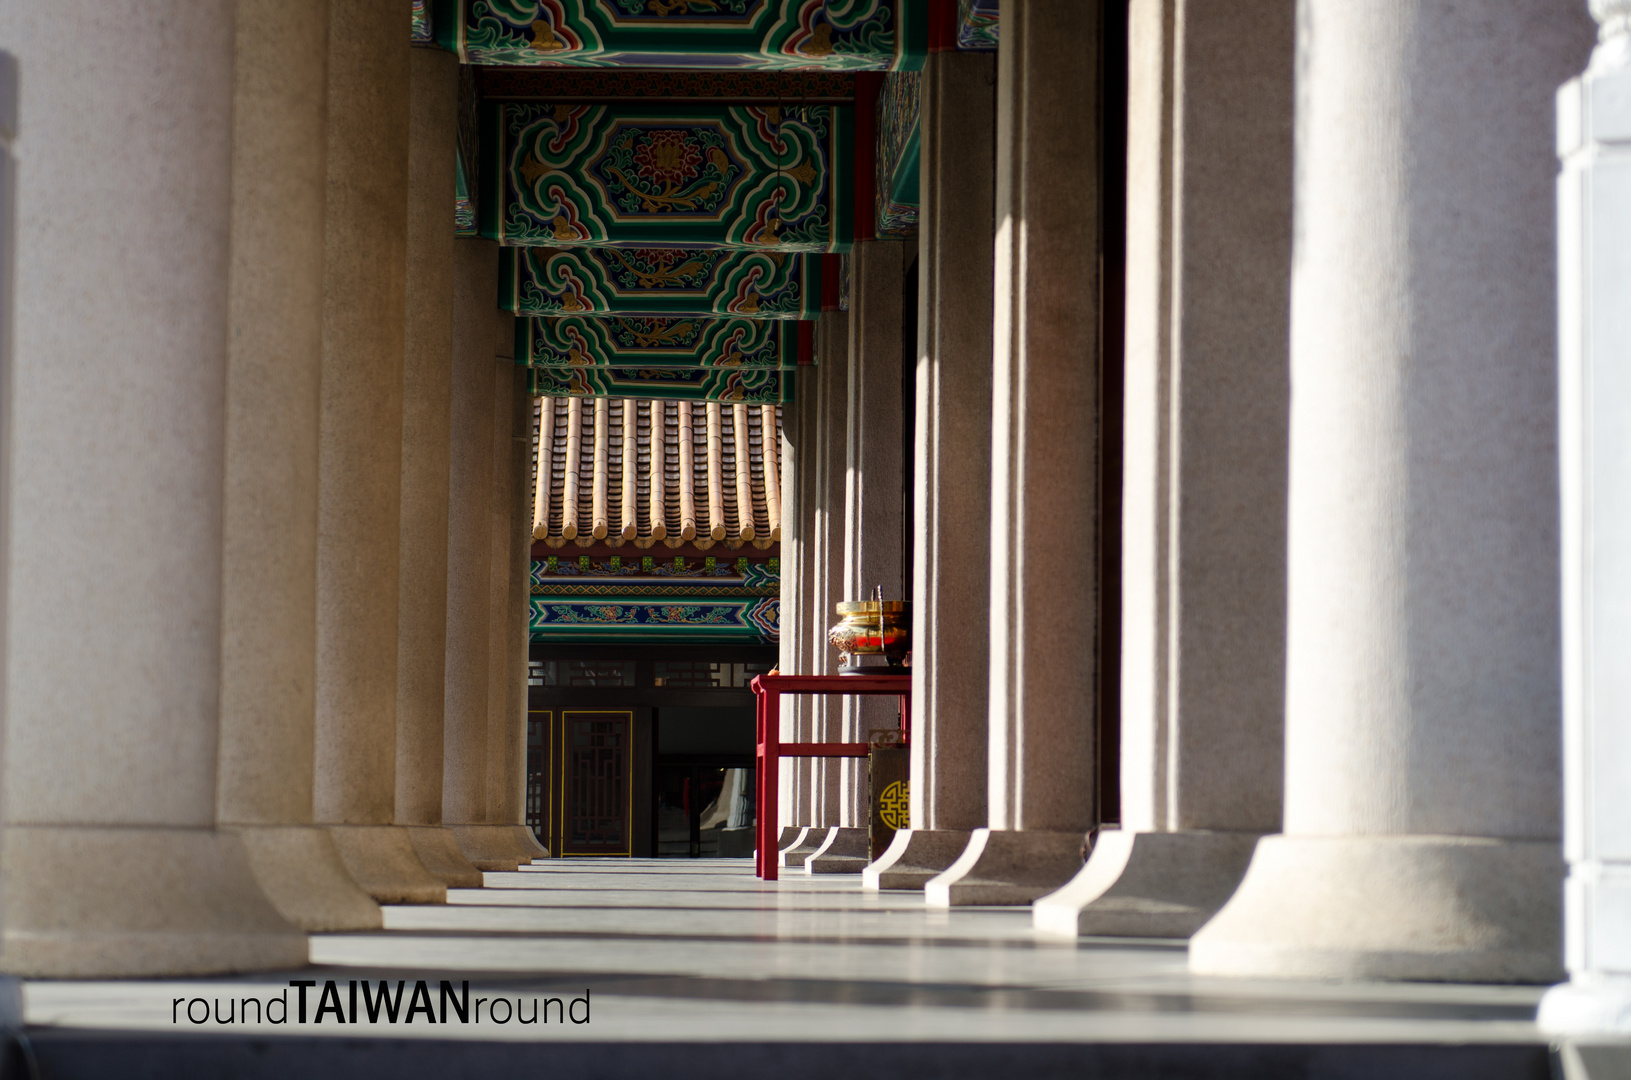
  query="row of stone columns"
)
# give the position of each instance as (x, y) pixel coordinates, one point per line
(1340, 682)
(252, 656)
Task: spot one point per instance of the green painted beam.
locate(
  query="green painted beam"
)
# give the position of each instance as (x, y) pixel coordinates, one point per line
(659, 281)
(701, 619)
(662, 175)
(750, 386)
(648, 341)
(852, 35)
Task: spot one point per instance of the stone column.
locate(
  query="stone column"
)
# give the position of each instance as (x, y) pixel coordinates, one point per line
(1594, 115)
(112, 486)
(427, 387)
(269, 518)
(874, 522)
(825, 552)
(796, 579)
(952, 473)
(470, 613)
(1422, 671)
(512, 798)
(1044, 463)
(1204, 500)
(360, 457)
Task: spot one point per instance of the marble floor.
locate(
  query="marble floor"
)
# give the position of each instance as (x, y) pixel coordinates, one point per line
(679, 950)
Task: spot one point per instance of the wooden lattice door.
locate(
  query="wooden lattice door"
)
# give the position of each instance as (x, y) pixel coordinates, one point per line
(596, 789)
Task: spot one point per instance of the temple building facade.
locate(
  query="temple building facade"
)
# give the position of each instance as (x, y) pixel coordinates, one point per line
(424, 419)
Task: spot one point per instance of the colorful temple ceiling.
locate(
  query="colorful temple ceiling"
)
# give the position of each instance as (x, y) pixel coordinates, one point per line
(866, 35)
(665, 175)
(659, 281)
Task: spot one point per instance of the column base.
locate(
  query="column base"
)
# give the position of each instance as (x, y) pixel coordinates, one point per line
(1435, 908)
(844, 851)
(810, 842)
(382, 860)
(439, 850)
(492, 848)
(913, 857)
(527, 845)
(301, 872)
(1007, 867)
(1587, 1005)
(1148, 884)
(790, 837)
(95, 902)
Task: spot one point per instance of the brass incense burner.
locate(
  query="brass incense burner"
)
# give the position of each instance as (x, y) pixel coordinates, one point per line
(873, 637)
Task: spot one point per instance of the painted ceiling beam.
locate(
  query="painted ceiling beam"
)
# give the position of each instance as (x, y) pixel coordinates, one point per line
(853, 35)
(655, 174)
(654, 341)
(660, 281)
(899, 108)
(977, 25)
(764, 386)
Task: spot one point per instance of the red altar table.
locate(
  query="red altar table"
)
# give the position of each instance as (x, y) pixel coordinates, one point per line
(769, 689)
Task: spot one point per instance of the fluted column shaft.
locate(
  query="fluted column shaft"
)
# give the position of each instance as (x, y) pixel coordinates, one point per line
(951, 471)
(796, 585)
(1422, 678)
(427, 387)
(821, 479)
(875, 525)
(469, 561)
(1203, 523)
(360, 457)
(475, 602)
(1045, 457)
(269, 548)
(114, 423)
(1594, 219)
(517, 618)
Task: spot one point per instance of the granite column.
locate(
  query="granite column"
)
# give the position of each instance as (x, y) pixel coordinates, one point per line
(874, 521)
(427, 387)
(1422, 667)
(470, 561)
(360, 455)
(825, 551)
(952, 473)
(114, 422)
(1204, 503)
(269, 518)
(1043, 614)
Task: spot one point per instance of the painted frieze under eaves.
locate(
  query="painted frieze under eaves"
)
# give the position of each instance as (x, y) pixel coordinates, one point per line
(655, 174)
(645, 575)
(898, 152)
(760, 386)
(638, 618)
(659, 281)
(466, 156)
(854, 35)
(657, 341)
(977, 25)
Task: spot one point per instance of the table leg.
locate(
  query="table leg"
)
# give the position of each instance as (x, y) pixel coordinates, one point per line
(772, 782)
(759, 853)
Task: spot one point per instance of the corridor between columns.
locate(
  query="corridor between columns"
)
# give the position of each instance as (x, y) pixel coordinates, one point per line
(1222, 396)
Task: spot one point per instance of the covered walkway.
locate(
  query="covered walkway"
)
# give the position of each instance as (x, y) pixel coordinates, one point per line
(674, 951)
